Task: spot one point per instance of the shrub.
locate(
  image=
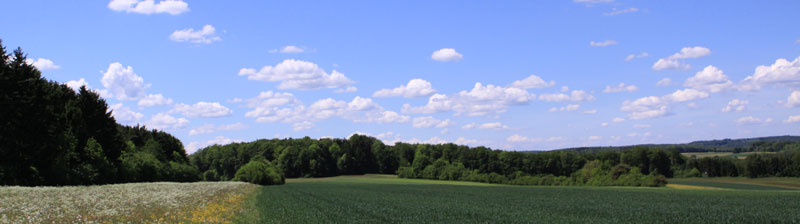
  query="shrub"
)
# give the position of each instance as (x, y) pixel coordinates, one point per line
(259, 172)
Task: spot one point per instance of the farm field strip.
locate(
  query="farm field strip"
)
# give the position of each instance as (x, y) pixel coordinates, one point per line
(364, 199)
(742, 183)
(215, 202)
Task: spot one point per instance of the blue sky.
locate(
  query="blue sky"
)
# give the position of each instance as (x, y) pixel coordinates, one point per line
(524, 75)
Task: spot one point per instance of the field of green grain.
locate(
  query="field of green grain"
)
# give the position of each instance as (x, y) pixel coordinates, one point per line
(388, 199)
(742, 155)
(391, 200)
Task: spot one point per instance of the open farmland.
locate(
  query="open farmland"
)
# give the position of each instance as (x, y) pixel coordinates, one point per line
(387, 199)
(203, 202)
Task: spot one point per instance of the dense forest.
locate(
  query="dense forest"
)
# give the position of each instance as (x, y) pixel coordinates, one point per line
(762, 144)
(53, 135)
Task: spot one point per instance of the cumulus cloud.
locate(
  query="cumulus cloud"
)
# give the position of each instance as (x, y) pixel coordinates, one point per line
(532, 82)
(428, 122)
(414, 88)
(709, 79)
(686, 95)
(674, 61)
(616, 11)
(297, 74)
(290, 49)
(518, 138)
(792, 119)
(206, 35)
(210, 128)
(735, 105)
(602, 43)
(202, 109)
(664, 82)
(164, 121)
(124, 114)
(446, 54)
(76, 84)
(571, 107)
(154, 100)
(592, 111)
(635, 56)
(42, 64)
(645, 107)
(750, 120)
(618, 119)
(794, 99)
(121, 82)
(782, 73)
(481, 100)
(172, 7)
(284, 107)
(491, 125)
(621, 87)
(575, 95)
(219, 140)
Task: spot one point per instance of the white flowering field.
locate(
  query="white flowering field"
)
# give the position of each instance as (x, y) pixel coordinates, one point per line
(204, 202)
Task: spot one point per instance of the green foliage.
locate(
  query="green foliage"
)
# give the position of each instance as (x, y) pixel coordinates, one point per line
(261, 172)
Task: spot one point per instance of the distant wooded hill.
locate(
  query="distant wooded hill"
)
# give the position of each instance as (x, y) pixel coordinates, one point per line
(760, 144)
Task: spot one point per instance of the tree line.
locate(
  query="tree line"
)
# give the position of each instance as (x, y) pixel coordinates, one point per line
(54, 135)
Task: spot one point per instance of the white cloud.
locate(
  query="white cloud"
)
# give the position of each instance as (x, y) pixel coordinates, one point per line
(664, 82)
(709, 79)
(164, 121)
(202, 36)
(602, 43)
(646, 134)
(76, 84)
(210, 128)
(284, 107)
(154, 100)
(570, 107)
(297, 74)
(595, 138)
(792, 119)
(42, 64)
(592, 111)
(564, 88)
(749, 120)
(645, 107)
(481, 100)
(493, 125)
(575, 95)
(202, 109)
(735, 105)
(304, 125)
(635, 56)
(122, 83)
(782, 73)
(518, 138)
(465, 141)
(604, 124)
(641, 126)
(616, 11)
(124, 114)
(794, 99)
(427, 122)
(446, 54)
(532, 82)
(172, 7)
(621, 87)
(219, 140)
(673, 61)
(686, 95)
(392, 117)
(290, 49)
(414, 88)
(618, 119)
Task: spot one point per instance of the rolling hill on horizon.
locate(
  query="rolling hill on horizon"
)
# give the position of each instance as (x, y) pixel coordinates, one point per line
(721, 145)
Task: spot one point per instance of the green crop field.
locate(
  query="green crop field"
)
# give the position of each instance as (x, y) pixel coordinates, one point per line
(386, 199)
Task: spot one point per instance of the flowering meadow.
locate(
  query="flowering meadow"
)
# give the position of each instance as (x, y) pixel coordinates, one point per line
(203, 202)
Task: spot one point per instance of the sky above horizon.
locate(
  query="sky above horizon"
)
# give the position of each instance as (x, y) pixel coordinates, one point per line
(525, 75)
